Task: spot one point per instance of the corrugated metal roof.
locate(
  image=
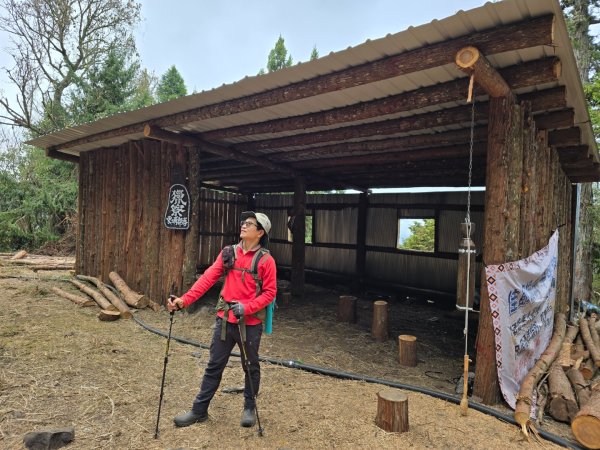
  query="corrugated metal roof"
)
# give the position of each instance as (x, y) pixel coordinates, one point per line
(463, 23)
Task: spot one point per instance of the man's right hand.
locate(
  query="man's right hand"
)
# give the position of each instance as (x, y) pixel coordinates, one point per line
(174, 304)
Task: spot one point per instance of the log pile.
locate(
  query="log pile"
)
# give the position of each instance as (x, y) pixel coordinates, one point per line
(38, 262)
(114, 302)
(565, 379)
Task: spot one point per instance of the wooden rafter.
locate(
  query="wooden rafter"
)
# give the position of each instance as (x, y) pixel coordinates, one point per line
(529, 33)
(471, 61)
(178, 138)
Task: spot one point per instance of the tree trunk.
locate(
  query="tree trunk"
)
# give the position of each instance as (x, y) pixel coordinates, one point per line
(379, 328)
(347, 309)
(407, 348)
(78, 300)
(392, 411)
(106, 316)
(99, 298)
(586, 425)
(582, 389)
(525, 397)
(562, 404)
(115, 300)
(131, 298)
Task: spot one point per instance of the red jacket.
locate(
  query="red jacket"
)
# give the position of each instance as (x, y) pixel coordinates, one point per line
(239, 286)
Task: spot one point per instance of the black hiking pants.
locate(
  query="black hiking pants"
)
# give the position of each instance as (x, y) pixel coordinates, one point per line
(219, 356)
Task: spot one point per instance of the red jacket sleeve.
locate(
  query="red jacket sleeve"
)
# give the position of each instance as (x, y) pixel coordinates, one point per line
(204, 283)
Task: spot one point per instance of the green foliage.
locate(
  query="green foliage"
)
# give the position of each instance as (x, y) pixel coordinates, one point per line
(170, 86)
(314, 54)
(278, 56)
(37, 200)
(109, 89)
(422, 236)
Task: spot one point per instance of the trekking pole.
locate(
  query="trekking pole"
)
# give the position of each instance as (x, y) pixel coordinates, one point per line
(162, 384)
(260, 428)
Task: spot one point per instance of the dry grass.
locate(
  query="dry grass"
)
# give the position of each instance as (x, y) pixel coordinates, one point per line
(60, 366)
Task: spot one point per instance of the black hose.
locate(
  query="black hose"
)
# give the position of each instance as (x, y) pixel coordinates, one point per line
(351, 376)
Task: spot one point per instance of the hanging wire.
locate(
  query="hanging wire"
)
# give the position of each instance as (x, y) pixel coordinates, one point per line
(468, 216)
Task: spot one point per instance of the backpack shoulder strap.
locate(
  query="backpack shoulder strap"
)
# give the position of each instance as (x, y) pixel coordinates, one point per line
(256, 259)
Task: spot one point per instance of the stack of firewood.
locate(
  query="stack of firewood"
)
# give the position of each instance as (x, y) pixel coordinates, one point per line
(565, 377)
(112, 307)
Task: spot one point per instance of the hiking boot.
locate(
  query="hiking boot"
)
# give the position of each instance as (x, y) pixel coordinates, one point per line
(189, 418)
(248, 417)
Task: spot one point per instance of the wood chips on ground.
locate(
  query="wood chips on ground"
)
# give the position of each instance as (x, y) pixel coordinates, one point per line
(60, 366)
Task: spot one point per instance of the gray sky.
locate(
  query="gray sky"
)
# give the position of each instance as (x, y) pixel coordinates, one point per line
(216, 42)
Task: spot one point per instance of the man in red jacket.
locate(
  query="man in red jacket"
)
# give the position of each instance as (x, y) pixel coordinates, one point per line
(242, 296)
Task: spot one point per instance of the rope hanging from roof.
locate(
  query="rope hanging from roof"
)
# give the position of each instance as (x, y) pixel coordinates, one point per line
(466, 260)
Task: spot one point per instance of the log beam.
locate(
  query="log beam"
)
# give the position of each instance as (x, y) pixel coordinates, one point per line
(530, 33)
(154, 132)
(471, 61)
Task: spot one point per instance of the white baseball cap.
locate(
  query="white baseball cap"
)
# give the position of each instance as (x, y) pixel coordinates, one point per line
(261, 218)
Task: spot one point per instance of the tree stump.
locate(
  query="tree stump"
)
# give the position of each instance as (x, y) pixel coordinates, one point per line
(379, 329)
(284, 299)
(347, 309)
(586, 424)
(407, 348)
(392, 411)
(106, 315)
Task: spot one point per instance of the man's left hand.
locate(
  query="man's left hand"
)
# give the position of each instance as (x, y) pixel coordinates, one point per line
(237, 309)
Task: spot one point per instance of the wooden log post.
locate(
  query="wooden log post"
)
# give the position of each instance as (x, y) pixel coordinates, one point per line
(97, 296)
(407, 348)
(131, 297)
(392, 411)
(586, 424)
(466, 267)
(298, 239)
(502, 200)
(114, 299)
(284, 299)
(77, 299)
(346, 309)
(379, 328)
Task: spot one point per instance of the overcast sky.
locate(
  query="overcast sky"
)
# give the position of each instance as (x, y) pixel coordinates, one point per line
(216, 42)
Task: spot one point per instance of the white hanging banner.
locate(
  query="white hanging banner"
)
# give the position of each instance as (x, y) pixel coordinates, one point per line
(522, 296)
(177, 214)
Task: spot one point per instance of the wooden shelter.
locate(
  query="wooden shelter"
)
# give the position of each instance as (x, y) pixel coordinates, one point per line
(390, 112)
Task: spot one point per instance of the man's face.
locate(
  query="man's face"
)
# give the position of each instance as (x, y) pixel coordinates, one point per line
(249, 229)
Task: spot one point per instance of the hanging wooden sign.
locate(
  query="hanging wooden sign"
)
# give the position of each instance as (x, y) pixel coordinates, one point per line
(177, 215)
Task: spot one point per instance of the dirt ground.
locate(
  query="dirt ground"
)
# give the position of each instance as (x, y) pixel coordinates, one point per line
(60, 366)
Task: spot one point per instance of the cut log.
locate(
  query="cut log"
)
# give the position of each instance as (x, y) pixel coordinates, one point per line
(586, 424)
(593, 331)
(77, 299)
(588, 369)
(392, 411)
(525, 397)
(153, 305)
(97, 296)
(347, 309)
(36, 267)
(562, 404)
(472, 62)
(407, 348)
(115, 300)
(588, 340)
(284, 299)
(581, 387)
(106, 315)
(565, 357)
(131, 297)
(379, 328)
(20, 254)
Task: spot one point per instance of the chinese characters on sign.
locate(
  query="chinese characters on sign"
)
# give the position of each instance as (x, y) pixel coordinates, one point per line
(177, 215)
